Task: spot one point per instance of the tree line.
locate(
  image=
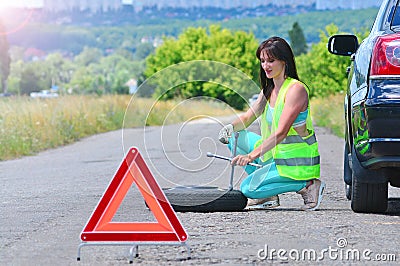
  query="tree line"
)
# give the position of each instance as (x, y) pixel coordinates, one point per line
(89, 72)
(323, 73)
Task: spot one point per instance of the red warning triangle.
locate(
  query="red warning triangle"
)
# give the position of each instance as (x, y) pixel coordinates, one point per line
(100, 226)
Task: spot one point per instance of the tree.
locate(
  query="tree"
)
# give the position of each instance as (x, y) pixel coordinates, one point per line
(144, 50)
(5, 59)
(297, 40)
(325, 74)
(55, 69)
(88, 56)
(34, 77)
(216, 63)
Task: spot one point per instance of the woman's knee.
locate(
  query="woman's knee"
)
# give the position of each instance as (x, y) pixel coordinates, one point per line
(244, 188)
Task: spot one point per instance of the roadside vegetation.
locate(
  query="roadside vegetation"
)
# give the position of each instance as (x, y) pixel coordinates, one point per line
(94, 93)
(28, 126)
(329, 112)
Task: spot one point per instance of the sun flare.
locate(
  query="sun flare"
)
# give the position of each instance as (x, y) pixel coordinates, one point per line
(12, 4)
(4, 5)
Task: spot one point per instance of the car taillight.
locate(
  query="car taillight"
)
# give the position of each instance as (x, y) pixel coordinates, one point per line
(386, 56)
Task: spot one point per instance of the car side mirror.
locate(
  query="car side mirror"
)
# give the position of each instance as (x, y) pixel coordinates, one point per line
(345, 45)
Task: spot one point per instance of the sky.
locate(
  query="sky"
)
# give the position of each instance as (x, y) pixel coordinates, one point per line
(21, 3)
(34, 3)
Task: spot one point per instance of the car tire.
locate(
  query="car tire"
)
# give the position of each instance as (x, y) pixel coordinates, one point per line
(347, 172)
(348, 189)
(205, 199)
(367, 197)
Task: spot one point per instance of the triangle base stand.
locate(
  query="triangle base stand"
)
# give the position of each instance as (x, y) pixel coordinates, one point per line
(134, 250)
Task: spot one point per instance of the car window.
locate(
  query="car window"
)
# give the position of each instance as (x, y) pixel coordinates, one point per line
(396, 18)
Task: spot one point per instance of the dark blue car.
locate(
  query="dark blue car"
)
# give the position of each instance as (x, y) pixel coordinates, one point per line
(372, 111)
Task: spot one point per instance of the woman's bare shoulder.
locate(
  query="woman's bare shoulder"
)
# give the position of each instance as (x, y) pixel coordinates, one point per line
(298, 93)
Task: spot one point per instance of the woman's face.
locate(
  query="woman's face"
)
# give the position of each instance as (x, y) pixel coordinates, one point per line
(273, 67)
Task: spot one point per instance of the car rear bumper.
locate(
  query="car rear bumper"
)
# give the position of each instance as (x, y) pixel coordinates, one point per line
(377, 125)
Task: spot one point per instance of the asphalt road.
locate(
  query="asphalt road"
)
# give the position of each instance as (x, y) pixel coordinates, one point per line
(47, 199)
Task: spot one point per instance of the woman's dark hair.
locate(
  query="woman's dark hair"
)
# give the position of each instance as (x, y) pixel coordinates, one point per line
(276, 48)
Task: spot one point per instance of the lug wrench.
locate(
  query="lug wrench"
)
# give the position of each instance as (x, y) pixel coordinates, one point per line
(209, 154)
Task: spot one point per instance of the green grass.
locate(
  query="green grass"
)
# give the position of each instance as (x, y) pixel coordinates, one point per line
(329, 112)
(28, 126)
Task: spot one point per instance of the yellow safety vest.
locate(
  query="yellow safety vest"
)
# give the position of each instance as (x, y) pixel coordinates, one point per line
(295, 157)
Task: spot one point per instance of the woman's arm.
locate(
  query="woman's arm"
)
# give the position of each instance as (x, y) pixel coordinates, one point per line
(296, 100)
(245, 120)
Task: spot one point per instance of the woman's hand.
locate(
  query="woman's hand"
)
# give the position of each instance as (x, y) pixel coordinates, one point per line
(225, 133)
(242, 160)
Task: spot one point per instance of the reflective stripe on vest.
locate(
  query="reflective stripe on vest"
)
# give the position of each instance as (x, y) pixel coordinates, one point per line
(297, 139)
(298, 161)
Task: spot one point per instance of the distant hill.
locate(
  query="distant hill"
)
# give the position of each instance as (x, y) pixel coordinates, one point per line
(123, 29)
